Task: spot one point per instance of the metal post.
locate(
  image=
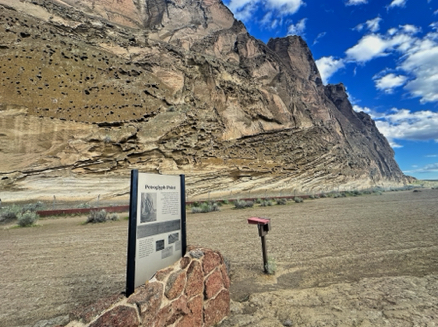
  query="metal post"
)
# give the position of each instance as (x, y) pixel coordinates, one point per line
(264, 249)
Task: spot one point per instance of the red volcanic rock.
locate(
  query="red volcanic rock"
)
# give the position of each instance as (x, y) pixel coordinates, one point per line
(225, 276)
(175, 284)
(88, 313)
(184, 262)
(213, 284)
(217, 309)
(211, 260)
(195, 280)
(172, 312)
(148, 298)
(163, 273)
(119, 316)
(195, 317)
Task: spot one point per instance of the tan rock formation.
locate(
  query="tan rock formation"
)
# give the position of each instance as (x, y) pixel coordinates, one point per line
(90, 88)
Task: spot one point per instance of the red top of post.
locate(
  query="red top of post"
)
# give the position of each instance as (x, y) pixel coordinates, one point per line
(258, 220)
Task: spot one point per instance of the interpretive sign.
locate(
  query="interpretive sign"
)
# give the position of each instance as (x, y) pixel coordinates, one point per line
(157, 234)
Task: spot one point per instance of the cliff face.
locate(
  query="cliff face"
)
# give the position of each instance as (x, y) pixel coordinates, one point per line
(173, 87)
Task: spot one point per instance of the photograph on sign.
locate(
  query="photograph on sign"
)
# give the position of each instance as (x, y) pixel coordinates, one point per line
(148, 211)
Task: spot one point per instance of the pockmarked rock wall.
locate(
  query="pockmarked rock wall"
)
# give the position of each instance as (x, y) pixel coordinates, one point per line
(93, 88)
(194, 292)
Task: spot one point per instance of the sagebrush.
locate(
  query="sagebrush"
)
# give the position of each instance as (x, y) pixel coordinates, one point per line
(241, 204)
(9, 213)
(266, 203)
(27, 218)
(14, 212)
(281, 201)
(206, 207)
(271, 266)
(101, 216)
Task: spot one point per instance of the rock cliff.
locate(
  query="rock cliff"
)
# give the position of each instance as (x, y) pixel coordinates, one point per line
(178, 86)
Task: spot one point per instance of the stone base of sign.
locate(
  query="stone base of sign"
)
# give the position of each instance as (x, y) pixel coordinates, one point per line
(194, 292)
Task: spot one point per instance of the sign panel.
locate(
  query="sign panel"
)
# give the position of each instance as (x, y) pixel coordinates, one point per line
(157, 237)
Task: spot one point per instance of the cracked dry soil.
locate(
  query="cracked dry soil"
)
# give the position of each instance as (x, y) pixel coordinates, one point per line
(357, 261)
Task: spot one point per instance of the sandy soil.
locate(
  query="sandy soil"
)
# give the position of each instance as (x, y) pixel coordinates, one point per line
(357, 261)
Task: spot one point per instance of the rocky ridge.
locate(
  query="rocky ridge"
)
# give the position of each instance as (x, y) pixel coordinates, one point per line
(173, 87)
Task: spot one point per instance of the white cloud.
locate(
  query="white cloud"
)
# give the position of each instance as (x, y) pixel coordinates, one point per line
(244, 9)
(327, 66)
(411, 29)
(356, 2)
(365, 110)
(375, 115)
(427, 169)
(389, 82)
(392, 31)
(369, 47)
(267, 19)
(431, 167)
(298, 28)
(269, 22)
(286, 6)
(416, 59)
(421, 61)
(403, 124)
(318, 37)
(431, 156)
(397, 3)
(373, 25)
(377, 45)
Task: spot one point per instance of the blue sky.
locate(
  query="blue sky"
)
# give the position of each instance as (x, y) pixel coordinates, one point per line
(384, 51)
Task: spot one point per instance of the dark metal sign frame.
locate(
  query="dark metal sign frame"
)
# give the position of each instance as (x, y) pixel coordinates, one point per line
(136, 231)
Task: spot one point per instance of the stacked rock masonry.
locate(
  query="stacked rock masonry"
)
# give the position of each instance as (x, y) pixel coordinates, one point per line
(194, 292)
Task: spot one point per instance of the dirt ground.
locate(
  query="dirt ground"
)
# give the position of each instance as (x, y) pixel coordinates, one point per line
(358, 261)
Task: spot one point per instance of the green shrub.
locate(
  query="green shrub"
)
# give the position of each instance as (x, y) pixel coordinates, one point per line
(196, 210)
(266, 203)
(281, 201)
(311, 196)
(113, 216)
(32, 206)
(226, 202)
(298, 199)
(84, 205)
(97, 216)
(241, 204)
(206, 207)
(271, 266)
(9, 213)
(322, 195)
(27, 218)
